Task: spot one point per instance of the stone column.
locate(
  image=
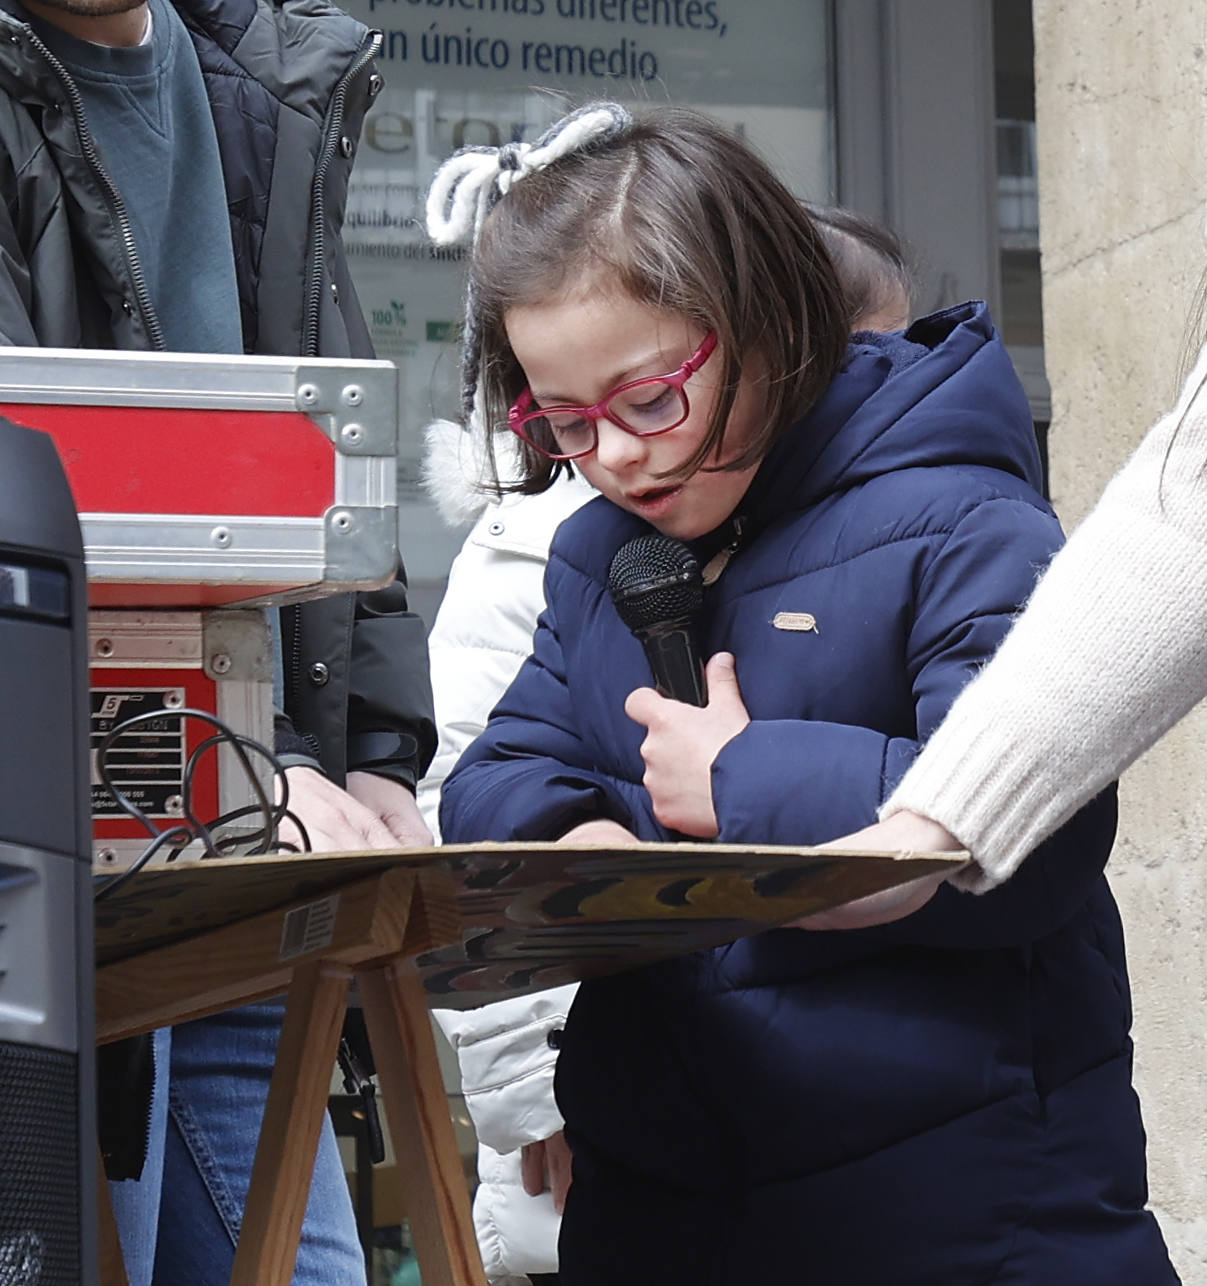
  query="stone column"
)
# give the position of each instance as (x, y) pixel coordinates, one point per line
(1121, 107)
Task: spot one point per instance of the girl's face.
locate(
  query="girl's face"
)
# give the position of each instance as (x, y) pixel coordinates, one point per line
(576, 348)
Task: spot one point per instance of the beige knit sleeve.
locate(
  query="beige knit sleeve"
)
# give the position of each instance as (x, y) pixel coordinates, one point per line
(1110, 652)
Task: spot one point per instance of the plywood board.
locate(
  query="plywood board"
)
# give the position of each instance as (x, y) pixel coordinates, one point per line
(532, 915)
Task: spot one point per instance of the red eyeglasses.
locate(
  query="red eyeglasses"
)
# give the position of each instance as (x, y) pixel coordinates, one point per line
(644, 408)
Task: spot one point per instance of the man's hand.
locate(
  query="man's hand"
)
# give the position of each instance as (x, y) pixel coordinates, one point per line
(546, 1167)
(681, 744)
(336, 821)
(904, 832)
(394, 805)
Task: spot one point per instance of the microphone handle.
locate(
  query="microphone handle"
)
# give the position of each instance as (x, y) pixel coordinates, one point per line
(676, 663)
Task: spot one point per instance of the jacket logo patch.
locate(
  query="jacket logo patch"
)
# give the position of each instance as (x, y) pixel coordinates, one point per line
(801, 622)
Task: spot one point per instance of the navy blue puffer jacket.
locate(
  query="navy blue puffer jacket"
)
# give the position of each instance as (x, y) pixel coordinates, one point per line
(942, 1100)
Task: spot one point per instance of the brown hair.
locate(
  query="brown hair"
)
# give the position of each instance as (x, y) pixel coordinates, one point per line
(684, 217)
(872, 263)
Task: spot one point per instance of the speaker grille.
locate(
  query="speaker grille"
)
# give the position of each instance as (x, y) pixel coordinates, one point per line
(39, 1167)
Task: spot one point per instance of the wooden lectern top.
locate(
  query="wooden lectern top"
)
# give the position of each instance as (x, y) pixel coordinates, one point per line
(532, 915)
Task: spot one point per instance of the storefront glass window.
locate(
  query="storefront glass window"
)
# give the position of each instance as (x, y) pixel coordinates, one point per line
(464, 72)
(1021, 313)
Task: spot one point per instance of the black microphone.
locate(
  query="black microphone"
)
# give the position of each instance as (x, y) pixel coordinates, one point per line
(656, 585)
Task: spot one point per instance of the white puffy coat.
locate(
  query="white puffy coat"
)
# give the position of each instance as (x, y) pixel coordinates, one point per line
(483, 630)
(481, 635)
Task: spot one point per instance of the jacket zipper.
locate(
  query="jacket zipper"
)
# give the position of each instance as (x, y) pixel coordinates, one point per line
(116, 204)
(291, 627)
(335, 120)
(720, 560)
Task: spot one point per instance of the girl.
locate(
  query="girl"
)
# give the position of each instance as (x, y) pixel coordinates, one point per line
(478, 641)
(945, 1099)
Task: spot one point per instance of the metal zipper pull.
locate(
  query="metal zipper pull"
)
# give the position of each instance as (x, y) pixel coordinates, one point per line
(720, 560)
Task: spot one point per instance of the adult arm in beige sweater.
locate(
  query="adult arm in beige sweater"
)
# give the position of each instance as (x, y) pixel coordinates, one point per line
(1109, 654)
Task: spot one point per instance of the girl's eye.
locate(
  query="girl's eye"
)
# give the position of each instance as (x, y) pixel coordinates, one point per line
(564, 423)
(652, 401)
(569, 428)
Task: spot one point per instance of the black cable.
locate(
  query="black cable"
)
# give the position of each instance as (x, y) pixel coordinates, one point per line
(360, 1085)
(225, 735)
(192, 829)
(237, 742)
(225, 844)
(140, 861)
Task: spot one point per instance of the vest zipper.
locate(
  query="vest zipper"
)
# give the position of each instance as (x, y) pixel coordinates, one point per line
(335, 120)
(117, 207)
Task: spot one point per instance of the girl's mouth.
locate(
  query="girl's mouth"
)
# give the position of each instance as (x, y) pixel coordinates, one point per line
(653, 503)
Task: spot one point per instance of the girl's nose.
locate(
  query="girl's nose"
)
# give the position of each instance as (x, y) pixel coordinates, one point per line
(616, 450)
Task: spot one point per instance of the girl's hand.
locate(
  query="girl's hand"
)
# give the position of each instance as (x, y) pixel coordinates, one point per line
(599, 831)
(681, 744)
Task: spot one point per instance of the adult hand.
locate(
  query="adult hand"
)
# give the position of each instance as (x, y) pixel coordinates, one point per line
(394, 805)
(903, 832)
(546, 1167)
(681, 743)
(599, 831)
(334, 820)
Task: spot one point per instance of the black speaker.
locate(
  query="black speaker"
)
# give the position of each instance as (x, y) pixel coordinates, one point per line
(48, 1157)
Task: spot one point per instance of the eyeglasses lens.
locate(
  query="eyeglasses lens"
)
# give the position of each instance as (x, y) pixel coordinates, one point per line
(560, 434)
(651, 407)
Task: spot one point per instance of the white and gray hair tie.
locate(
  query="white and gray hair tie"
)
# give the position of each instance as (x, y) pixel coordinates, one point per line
(469, 183)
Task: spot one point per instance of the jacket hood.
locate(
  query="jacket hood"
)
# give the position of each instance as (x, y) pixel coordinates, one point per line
(458, 472)
(943, 393)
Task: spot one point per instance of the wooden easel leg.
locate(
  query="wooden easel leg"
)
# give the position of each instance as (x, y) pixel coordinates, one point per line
(112, 1262)
(293, 1117)
(433, 1181)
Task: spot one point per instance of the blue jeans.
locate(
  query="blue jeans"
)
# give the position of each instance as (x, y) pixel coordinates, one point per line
(179, 1223)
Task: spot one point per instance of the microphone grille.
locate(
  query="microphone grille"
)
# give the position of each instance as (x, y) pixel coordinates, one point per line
(655, 578)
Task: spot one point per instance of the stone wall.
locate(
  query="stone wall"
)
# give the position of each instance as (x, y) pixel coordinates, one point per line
(1122, 125)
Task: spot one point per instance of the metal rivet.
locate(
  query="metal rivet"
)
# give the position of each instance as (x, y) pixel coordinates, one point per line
(221, 536)
(352, 434)
(376, 84)
(107, 856)
(496, 529)
(220, 663)
(352, 395)
(173, 805)
(335, 292)
(345, 146)
(342, 521)
(318, 674)
(104, 647)
(307, 394)
(173, 700)
(127, 308)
